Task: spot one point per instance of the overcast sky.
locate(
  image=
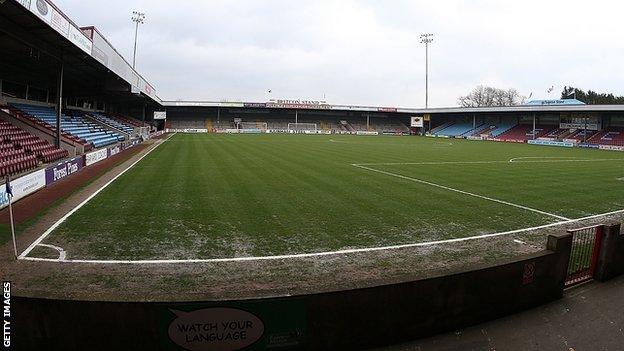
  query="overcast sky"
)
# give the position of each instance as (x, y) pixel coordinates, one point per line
(364, 52)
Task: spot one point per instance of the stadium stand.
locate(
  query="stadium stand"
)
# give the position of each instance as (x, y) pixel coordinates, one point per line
(440, 128)
(388, 125)
(41, 125)
(557, 133)
(581, 135)
(112, 122)
(609, 136)
(21, 151)
(501, 128)
(190, 123)
(380, 125)
(77, 126)
(458, 129)
(129, 120)
(524, 132)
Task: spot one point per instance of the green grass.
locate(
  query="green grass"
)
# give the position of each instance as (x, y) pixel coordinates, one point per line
(5, 229)
(210, 196)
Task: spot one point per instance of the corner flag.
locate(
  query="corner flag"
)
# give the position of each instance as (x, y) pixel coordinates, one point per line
(9, 192)
(9, 188)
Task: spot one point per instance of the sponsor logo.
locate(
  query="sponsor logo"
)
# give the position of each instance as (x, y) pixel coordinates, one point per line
(386, 109)
(42, 7)
(114, 150)
(23, 186)
(612, 147)
(64, 171)
(255, 104)
(551, 143)
(95, 156)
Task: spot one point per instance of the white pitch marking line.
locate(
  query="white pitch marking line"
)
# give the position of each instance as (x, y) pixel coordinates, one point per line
(62, 253)
(326, 253)
(463, 192)
(540, 158)
(434, 163)
(62, 219)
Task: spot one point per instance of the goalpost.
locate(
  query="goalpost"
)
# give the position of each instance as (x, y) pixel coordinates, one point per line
(254, 125)
(301, 127)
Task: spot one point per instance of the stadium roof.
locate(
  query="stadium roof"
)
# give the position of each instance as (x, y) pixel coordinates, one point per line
(89, 58)
(321, 105)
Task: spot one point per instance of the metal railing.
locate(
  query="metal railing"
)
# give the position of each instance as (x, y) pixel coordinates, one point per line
(584, 254)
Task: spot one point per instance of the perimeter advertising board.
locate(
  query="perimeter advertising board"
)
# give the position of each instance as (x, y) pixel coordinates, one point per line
(114, 150)
(63, 169)
(95, 156)
(611, 147)
(551, 143)
(159, 115)
(23, 186)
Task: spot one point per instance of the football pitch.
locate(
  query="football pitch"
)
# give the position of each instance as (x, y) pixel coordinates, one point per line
(213, 196)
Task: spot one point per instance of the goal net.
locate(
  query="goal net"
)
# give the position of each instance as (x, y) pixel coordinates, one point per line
(253, 125)
(301, 127)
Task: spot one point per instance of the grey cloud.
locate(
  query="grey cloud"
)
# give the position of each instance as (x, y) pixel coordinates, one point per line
(363, 52)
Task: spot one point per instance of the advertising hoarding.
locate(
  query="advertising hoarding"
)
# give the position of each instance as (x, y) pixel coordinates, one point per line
(417, 122)
(95, 156)
(160, 115)
(23, 186)
(63, 169)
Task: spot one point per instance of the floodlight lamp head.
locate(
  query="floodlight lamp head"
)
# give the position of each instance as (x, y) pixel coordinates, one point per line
(426, 38)
(138, 17)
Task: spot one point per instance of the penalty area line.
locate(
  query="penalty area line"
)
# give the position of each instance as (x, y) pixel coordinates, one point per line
(326, 253)
(73, 210)
(462, 192)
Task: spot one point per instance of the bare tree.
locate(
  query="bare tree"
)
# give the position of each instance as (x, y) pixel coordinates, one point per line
(483, 96)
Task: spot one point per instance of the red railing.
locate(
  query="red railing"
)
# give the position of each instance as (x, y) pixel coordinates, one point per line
(586, 243)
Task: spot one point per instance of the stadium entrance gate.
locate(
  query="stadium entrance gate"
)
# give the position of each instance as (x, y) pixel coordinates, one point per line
(586, 243)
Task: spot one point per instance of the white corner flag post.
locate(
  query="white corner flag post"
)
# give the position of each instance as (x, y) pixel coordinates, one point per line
(9, 192)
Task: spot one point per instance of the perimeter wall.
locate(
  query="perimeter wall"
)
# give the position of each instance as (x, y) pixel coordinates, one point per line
(349, 319)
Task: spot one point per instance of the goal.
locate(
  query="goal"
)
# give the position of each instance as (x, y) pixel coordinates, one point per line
(253, 125)
(301, 127)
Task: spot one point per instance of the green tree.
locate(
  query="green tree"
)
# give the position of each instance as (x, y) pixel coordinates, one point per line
(591, 97)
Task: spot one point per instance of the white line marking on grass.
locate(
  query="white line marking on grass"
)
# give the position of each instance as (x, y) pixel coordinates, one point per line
(62, 219)
(435, 163)
(463, 192)
(515, 159)
(62, 253)
(326, 253)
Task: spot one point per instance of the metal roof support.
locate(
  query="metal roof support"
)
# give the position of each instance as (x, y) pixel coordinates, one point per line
(534, 136)
(143, 112)
(59, 102)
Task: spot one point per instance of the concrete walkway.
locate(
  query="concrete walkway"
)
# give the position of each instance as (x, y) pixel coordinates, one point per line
(589, 317)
